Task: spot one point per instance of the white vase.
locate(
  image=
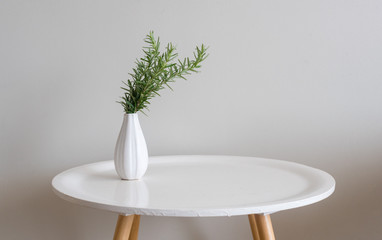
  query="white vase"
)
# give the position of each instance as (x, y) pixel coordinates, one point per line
(130, 155)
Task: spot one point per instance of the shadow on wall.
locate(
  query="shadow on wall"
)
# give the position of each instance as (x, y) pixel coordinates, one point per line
(184, 228)
(32, 205)
(354, 205)
(40, 214)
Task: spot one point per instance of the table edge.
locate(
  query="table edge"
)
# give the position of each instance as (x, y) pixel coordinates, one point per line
(123, 210)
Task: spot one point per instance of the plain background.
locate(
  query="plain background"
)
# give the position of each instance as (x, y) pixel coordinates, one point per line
(293, 80)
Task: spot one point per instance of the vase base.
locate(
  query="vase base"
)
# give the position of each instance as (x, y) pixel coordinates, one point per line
(126, 179)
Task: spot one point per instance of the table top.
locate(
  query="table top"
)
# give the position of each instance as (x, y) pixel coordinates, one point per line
(197, 186)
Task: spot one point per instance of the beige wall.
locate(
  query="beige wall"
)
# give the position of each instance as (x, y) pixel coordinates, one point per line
(292, 80)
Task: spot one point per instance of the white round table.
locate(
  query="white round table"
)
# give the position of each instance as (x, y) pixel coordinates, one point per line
(197, 186)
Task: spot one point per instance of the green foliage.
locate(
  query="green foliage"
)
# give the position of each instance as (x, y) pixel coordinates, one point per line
(156, 70)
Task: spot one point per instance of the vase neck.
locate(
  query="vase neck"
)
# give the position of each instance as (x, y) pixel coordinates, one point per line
(130, 117)
(130, 114)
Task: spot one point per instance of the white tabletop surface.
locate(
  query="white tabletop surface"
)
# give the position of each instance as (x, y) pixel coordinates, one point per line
(197, 186)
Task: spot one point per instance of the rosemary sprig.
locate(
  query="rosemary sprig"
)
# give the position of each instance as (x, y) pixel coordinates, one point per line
(156, 70)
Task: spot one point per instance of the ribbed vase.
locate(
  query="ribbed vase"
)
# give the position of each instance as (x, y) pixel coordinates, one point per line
(130, 155)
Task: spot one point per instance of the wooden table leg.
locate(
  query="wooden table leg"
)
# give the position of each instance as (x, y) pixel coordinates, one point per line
(255, 230)
(264, 226)
(135, 228)
(123, 227)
